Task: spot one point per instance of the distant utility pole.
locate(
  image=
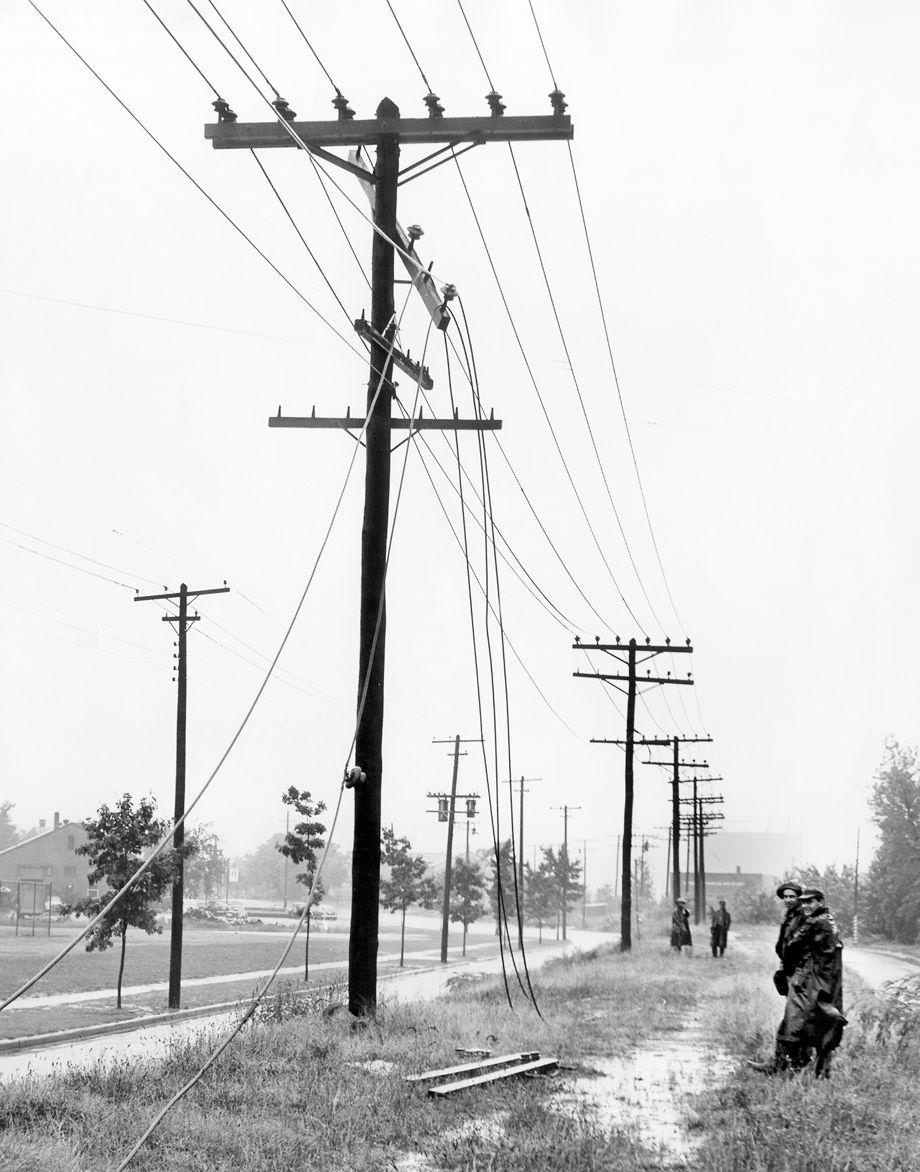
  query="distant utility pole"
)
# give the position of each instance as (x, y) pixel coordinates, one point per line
(632, 680)
(699, 822)
(388, 132)
(183, 618)
(856, 893)
(520, 849)
(565, 861)
(676, 764)
(445, 812)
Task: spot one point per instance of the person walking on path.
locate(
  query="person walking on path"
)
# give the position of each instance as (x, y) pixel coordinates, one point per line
(718, 930)
(681, 936)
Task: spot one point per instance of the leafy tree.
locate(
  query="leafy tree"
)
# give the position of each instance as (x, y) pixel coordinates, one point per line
(838, 885)
(565, 876)
(541, 902)
(336, 869)
(118, 840)
(262, 871)
(9, 833)
(467, 890)
(204, 873)
(407, 882)
(893, 895)
(300, 845)
(501, 879)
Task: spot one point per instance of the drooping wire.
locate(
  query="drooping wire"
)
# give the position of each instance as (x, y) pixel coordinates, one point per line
(518, 895)
(257, 999)
(211, 200)
(255, 63)
(194, 64)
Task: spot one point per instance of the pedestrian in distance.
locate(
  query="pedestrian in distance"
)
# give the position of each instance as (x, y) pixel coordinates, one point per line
(720, 922)
(681, 936)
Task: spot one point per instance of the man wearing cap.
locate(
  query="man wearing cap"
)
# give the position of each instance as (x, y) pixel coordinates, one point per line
(718, 931)
(680, 927)
(814, 1008)
(789, 1052)
(789, 893)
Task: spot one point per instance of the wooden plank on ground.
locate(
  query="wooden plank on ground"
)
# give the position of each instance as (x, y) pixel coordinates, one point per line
(448, 1088)
(468, 1067)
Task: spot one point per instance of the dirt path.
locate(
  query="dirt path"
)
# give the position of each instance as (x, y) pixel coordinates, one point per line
(875, 966)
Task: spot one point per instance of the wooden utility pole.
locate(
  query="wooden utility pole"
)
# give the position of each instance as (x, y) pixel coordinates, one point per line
(451, 800)
(676, 764)
(388, 132)
(183, 618)
(698, 822)
(565, 861)
(520, 849)
(632, 680)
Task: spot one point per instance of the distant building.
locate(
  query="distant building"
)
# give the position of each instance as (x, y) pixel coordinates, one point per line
(730, 884)
(755, 853)
(48, 858)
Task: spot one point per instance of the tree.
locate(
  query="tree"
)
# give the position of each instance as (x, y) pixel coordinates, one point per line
(407, 882)
(9, 833)
(541, 902)
(893, 895)
(501, 880)
(564, 874)
(467, 890)
(262, 871)
(118, 840)
(205, 870)
(301, 842)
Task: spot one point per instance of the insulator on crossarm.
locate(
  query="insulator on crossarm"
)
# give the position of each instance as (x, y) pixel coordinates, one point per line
(224, 113)
(284, 110)
(496, 105)
(433, 102)
(341, 104)
(560, 105)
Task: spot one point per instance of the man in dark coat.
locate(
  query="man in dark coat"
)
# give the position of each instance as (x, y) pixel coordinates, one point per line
(718, 929)
(680, 927)
(814, 1007)
(789, 1053)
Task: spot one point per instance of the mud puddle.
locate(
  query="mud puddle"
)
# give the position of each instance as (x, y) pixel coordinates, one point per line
(644, 1095)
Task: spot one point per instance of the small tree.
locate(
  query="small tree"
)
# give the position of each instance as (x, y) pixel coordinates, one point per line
(541, 901)
(205, 871)
(407, 882)
(300, 845)
(118, 839)
(467, 890)
(564, 876)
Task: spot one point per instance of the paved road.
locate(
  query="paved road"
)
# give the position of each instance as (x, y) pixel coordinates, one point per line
(875, 966)
(154, 1042)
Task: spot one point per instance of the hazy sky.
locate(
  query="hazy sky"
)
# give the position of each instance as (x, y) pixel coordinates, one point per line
(750, 178)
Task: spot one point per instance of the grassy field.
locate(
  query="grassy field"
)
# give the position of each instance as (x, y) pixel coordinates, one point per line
(206, 953)
(306, 1091)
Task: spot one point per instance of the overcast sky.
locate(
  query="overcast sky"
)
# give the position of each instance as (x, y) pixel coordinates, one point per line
(750, 178)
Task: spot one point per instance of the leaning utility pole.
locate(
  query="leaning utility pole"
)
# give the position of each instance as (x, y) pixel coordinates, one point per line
(183, 618)
(451, 801)
(387, 133)
(632, 680)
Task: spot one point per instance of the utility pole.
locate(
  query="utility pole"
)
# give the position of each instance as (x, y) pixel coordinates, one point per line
(698, 822)
(676, 764)
(856, 893)
(565, 861)
(446, 805)
(388, 132)
(632, 680)
(520, 850)
(183, 618)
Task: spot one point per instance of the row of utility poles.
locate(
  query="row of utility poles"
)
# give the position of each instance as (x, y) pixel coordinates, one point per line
(628, 679)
